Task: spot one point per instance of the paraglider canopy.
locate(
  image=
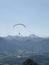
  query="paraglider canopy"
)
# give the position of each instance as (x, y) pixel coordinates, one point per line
(19, 25)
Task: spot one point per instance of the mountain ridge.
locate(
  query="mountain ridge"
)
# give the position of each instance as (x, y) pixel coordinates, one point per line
(35, 43)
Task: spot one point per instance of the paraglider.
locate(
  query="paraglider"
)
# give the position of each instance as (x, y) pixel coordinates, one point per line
(20, 24)
(19, 33)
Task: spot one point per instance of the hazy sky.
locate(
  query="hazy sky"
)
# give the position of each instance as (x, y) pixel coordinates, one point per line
(33, 13)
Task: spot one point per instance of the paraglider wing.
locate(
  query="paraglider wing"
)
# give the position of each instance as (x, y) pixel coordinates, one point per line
(19, 25)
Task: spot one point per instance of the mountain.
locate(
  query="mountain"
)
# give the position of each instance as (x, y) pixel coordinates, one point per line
(34, 36)
(32, 43)
(14, 50)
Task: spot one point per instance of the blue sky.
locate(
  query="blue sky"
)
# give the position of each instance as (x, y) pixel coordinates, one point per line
(33, 13)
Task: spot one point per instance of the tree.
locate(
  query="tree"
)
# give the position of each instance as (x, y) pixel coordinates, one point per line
(29, 62)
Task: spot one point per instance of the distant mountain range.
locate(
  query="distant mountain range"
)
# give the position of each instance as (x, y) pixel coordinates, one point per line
(31, 43)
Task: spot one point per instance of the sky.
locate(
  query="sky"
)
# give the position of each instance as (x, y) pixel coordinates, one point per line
(33, 13)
